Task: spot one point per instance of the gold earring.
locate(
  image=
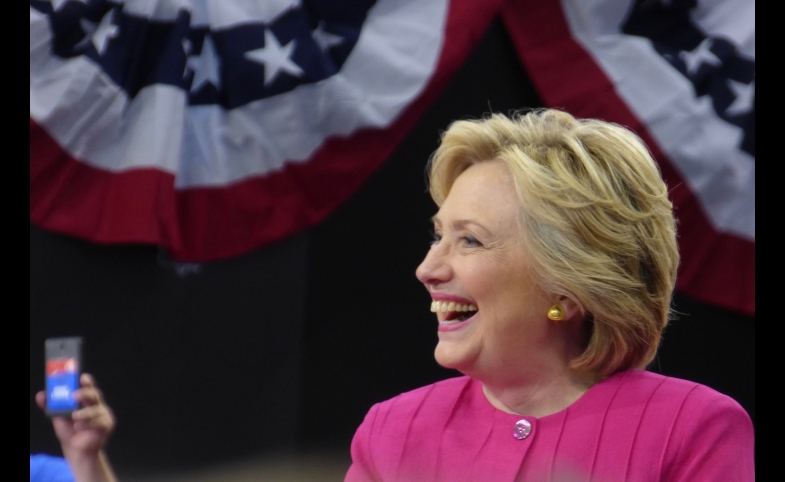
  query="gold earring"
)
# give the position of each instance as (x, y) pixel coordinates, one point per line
(556, 313)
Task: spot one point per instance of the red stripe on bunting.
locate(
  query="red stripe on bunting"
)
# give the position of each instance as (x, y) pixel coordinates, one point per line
(70, 197)
(716, 268)
(142, 206)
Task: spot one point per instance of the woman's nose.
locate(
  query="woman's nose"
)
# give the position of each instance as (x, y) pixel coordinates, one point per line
(434, 269)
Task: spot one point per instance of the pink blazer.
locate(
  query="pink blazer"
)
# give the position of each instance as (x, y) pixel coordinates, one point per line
(635, 426)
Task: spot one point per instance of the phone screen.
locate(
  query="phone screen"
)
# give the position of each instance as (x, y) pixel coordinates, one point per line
(63, 367)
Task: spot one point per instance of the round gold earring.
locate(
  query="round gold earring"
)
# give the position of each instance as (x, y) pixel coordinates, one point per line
(556, 313)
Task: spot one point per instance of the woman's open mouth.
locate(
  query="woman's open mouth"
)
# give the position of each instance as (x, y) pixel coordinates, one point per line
(454, 312)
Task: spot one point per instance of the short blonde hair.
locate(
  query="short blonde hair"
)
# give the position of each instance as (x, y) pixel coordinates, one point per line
(595, 216)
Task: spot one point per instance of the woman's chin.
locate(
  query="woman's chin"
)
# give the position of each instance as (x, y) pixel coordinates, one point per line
(449, 355)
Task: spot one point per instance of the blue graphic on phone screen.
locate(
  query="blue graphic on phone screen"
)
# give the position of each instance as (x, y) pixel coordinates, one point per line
(62, 380)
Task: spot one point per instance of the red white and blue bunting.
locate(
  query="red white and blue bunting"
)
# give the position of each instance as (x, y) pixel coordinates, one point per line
(212, 128)
(683, 77)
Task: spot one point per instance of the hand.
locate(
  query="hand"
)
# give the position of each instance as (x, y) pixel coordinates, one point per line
(88, 429)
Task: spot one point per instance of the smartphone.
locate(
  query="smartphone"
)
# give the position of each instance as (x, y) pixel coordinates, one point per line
(63, 368)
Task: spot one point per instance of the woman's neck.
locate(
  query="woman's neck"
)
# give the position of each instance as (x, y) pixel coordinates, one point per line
(537, 397)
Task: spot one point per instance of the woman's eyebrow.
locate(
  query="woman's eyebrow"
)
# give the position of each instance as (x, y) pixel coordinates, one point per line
(463, 223)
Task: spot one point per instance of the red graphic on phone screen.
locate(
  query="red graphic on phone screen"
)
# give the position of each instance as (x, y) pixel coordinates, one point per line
(60, 366)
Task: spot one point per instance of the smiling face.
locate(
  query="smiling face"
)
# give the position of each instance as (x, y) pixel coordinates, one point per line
(478, 258)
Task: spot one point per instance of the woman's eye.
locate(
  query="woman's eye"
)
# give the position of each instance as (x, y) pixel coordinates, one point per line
(435, 238)
(471, 242)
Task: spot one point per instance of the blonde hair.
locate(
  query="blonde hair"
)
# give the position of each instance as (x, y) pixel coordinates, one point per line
(595, 216)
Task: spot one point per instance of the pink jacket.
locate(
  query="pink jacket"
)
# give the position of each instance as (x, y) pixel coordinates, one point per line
(634, 426)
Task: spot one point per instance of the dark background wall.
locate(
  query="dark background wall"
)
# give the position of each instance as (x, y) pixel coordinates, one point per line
(284, 349)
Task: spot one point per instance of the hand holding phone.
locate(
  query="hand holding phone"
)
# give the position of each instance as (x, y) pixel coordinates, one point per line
(81, 419)
(85, 432)
(87, 429)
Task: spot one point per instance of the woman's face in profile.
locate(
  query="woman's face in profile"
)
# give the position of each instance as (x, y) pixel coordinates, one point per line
(478, 258)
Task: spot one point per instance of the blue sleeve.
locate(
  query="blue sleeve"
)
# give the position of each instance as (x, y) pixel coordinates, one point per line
(47, 468)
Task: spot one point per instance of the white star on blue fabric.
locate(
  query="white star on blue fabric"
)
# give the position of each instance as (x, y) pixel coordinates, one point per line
(325, 39)
(106, 30)
(701, 55)
(89, 29)
(101, 34)
(205, 66)
(275, 58)
(744, 95)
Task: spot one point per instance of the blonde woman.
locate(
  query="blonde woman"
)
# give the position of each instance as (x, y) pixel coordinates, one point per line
(551, 273)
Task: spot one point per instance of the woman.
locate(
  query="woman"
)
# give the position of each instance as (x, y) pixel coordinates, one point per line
(551, 275)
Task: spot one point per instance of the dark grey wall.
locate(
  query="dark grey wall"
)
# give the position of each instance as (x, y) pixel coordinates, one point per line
(196, 367)
(286, 348)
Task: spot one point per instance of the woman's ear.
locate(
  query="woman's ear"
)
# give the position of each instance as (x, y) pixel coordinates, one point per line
(572, 309)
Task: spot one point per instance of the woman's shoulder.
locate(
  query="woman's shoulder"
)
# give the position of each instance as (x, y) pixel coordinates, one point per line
(406, 420)
(647, 402)
(421, 402)
(702, 433)
(678, 393)
(444, 390)
(684, 428)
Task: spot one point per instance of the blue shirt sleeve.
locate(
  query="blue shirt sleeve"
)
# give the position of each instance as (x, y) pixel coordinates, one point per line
(47, 468)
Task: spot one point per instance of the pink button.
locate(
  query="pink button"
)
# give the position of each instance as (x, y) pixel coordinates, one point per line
(522, 429)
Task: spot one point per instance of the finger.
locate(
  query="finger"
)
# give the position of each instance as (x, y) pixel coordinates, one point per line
(88, 396)
(40, 400)
(101, 424)
(87, 413)
(94, 412)
(98, 417)
(64, 427)
(87, 380)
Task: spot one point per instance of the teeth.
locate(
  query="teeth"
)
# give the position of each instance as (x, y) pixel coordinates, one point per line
(447, 306)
